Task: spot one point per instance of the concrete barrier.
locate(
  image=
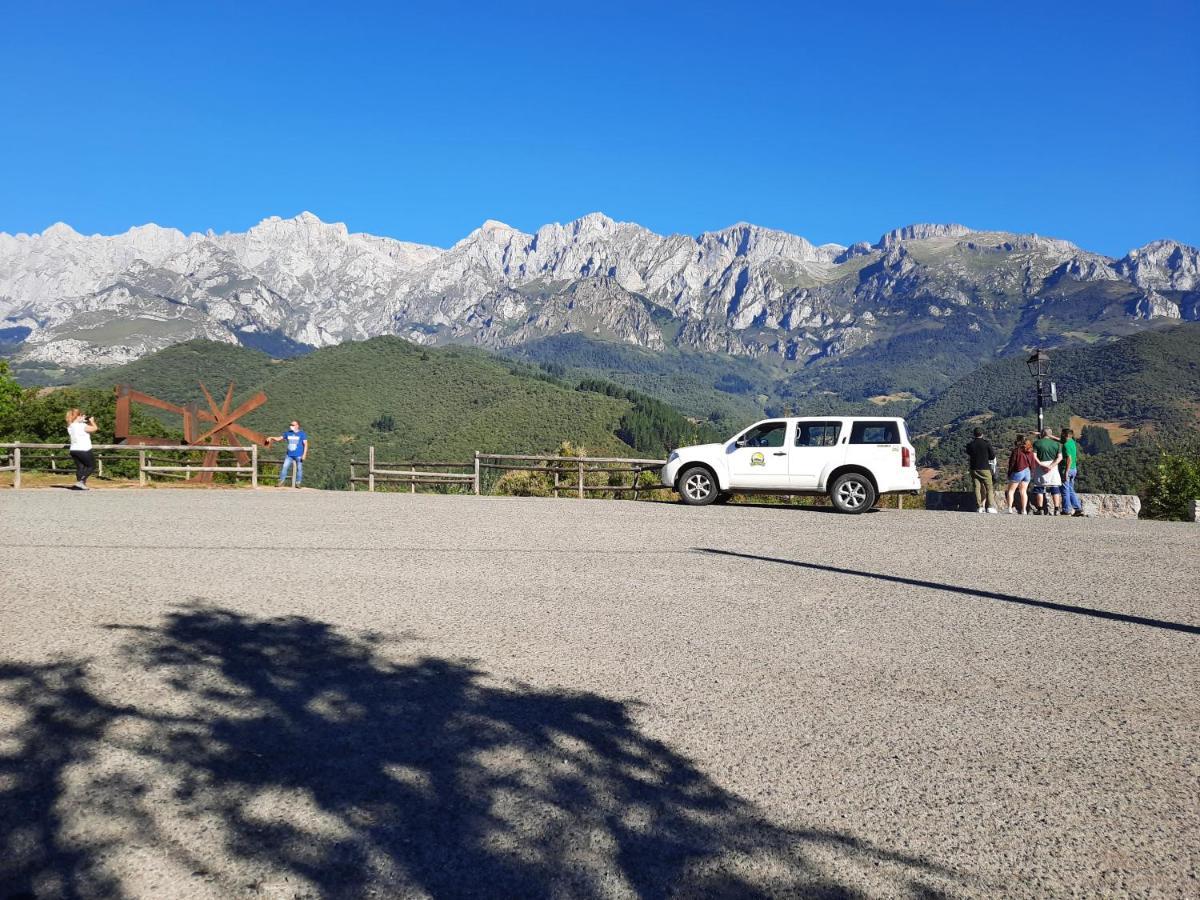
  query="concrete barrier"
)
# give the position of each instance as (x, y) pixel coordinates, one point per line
(1194, 509)
(959, 501)
(1098, 506)
(1111, 506)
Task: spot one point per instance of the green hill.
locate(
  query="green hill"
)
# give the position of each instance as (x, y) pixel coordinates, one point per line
(1144, 390)
(409, 402)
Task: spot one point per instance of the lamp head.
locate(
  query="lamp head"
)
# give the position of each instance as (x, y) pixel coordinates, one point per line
(1039, 363)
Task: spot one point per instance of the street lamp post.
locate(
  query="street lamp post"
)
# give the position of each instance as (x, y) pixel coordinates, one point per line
(1039, 368)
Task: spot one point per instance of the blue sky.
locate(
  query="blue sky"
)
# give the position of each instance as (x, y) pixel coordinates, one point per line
(835, 121)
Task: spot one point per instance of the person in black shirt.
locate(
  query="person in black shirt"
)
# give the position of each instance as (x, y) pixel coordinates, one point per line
(982, 457)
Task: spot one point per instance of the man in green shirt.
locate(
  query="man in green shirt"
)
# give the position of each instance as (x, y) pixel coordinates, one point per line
(1047, 478)
(1071, 504)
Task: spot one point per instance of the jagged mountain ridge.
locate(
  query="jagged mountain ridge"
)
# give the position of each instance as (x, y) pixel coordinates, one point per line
(76, 300)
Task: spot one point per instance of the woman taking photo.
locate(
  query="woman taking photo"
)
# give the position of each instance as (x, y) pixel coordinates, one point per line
(81, 428)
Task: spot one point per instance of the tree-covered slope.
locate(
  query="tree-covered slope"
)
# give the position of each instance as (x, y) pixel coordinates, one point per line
(1145, 389)
(409, 402)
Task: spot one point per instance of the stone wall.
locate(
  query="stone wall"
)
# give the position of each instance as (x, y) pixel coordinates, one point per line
(960, 501)
(1111, 506)
(1100, 506)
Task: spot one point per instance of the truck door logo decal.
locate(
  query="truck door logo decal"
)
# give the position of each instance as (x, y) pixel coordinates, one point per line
(758, 459)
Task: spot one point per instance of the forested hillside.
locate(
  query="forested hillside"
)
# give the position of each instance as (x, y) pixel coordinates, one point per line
(1143, 391)
(409, 402)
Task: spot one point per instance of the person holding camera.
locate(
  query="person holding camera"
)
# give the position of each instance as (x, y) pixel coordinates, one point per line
(81, 427)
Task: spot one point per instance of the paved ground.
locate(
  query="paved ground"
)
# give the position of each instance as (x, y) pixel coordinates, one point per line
(315, 694)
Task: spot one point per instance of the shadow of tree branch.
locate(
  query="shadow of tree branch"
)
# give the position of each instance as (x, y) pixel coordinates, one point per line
(282, 749)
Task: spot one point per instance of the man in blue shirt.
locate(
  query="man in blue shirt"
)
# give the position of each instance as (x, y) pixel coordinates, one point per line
(297, 452)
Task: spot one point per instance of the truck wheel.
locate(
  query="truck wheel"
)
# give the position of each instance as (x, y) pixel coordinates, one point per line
(697, 486)
(852, 493)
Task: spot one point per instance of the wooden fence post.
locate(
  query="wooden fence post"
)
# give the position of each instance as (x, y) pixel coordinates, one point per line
(17, 470)
(580, 479)
(478, 486)
(99, 466)
(142, 468)
(351, 482)
(371, 469)
(412, 480)
(254, 467)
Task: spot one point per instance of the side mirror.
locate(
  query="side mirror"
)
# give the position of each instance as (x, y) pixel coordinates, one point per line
(740, 442)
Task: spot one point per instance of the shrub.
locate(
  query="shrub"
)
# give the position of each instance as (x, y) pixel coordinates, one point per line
(1173, 484)
(523, 484)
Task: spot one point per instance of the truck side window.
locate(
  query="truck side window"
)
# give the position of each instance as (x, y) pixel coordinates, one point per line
(768, 434)
(817, 434)
(874, 433)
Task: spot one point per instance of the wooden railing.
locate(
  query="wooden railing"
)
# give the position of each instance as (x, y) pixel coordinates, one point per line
(567, 474)
(21, 455)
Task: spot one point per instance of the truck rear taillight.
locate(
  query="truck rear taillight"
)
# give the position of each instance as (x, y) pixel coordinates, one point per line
(905, 457)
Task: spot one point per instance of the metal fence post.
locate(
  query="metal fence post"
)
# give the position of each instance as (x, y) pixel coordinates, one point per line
(142, 468)
(581, 479)
(478, 486)
(371, 469)
(17, 470)
(412, 480)
(254, 466)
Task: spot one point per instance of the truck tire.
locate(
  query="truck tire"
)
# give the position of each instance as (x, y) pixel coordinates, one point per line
(698, 486)
(852, 493)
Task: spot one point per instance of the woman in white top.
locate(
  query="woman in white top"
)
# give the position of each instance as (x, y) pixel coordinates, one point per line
(81, 428)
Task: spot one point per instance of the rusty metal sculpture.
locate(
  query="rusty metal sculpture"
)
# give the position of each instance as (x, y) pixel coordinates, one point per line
(223, 432)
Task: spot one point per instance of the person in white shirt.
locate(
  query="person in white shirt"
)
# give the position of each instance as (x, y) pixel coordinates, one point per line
(81, 428)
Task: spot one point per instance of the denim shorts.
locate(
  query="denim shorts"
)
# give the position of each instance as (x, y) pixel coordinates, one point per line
(1018, 477)
(1052, 489)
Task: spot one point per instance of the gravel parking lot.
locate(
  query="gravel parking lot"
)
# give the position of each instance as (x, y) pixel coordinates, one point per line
(299, 694)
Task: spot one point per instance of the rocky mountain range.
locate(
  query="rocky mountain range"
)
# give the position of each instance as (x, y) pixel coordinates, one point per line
(70, 300)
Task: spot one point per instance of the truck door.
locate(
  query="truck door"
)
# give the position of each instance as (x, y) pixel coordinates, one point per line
(758, 458)
(816, 449)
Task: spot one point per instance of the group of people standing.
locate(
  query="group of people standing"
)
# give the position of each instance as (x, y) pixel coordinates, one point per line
(1045, 467)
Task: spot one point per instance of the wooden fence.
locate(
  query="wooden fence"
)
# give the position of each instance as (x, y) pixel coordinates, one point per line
(566, 474)
(28, 457)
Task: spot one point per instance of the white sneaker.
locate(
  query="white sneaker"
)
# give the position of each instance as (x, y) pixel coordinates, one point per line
(981, 509)
(1012, 511)
(993, 510)
(80, 486)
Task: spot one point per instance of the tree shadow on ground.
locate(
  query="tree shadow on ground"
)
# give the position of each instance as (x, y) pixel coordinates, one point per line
(269, 752)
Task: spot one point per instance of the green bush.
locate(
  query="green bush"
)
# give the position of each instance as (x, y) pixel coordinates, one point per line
(1173, 484)
(523, 484)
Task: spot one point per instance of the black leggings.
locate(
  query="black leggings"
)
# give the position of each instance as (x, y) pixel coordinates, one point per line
(85, 464)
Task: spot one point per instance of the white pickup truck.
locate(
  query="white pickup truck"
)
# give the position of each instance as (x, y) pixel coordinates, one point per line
(853, 459)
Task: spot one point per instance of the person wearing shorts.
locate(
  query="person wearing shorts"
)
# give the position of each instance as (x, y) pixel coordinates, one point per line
(1046, 479)
(1021, 461)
